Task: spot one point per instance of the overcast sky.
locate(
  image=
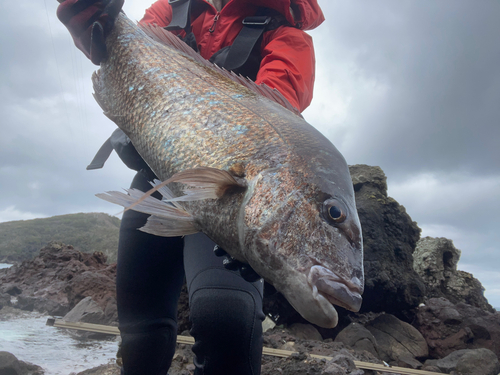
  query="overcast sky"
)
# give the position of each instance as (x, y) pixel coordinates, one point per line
(410, 86)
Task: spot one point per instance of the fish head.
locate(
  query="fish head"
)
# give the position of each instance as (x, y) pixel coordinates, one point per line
(303, 235)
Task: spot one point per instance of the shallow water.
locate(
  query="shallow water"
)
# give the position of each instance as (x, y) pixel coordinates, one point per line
(30, 340)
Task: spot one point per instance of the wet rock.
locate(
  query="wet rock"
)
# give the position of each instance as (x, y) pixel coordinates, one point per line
(359, 338)
(468, 362)
(435, 260)
(58, 278)
(26, 303)
(10, 365)
(111, 369)
(87, 311)
(10, 288)
(389, 240)
(4, 300)
(448, 327)
(397, 339)
(30, 303)
(11, 313)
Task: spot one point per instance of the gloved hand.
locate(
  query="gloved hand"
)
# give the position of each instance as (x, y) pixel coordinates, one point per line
(89, 22)
(232, 264)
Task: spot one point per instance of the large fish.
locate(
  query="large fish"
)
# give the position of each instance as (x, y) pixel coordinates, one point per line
(248, 172)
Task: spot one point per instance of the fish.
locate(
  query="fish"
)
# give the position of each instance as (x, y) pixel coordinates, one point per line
(237, 162)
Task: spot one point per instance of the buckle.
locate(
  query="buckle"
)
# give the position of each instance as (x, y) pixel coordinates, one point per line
(254, 20)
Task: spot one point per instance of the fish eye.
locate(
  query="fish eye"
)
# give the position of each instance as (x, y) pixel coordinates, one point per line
(335, 211)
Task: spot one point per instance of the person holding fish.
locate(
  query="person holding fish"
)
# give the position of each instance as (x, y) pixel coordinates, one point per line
(260, 39)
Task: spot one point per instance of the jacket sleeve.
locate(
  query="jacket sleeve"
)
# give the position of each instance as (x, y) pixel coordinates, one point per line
(160, 13)
(288, 65)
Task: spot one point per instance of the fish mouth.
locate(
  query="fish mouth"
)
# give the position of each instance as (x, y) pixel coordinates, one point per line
(335, 289)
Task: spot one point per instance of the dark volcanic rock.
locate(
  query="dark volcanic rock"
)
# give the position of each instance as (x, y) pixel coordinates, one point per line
(111, 369)
(448, 327)
(4, 300)
(397, 339)
(469, 362)
(435, 260)
(389, 240)
(359, 338)
(88, 311)
(300, 364)
(58, 278)
(10, 365)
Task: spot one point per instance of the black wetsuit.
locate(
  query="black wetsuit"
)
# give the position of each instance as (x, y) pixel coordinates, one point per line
(225, 310)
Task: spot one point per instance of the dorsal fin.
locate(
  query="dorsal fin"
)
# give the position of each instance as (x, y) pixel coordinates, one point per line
(167, 38)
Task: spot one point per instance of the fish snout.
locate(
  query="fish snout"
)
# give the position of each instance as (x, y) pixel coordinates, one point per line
(338, 291)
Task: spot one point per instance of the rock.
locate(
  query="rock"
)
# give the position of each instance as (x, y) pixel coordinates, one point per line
(111, 369)
(435, 260)
(344, 360)
(408, 361)
(359, 338)
(468, 362)
(448, 327)
(10, 288)
(298, 365)
(397, 339)
(478, 361)
(30, 303)
(389, 240)
(4, 300)
(26, 303)
(431, 368)
(305, 332)
(58, 278)
(10, 365)
(88, 311)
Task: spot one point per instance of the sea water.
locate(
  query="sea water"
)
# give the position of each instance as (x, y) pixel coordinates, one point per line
(27, 336)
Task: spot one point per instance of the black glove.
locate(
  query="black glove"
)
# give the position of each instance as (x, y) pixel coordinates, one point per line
(232, 264)
(89, 23)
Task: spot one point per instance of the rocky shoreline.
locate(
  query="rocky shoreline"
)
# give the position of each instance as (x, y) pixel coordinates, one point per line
(419, 311)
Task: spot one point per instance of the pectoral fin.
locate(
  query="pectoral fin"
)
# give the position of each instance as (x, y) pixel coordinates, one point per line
(167, 220)
(203, 183)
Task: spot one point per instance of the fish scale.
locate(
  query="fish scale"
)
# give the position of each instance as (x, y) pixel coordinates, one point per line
(271, 176)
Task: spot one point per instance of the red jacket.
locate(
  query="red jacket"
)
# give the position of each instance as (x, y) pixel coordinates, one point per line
(288, 54)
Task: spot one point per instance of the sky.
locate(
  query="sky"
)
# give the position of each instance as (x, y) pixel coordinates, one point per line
(412, 86)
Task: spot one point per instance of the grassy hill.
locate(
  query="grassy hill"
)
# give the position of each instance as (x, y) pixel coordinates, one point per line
(89, 232)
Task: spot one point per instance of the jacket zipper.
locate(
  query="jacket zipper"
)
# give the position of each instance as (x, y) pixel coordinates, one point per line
(212, 28)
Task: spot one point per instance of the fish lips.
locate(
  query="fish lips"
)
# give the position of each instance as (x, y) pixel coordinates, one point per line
(337, 291)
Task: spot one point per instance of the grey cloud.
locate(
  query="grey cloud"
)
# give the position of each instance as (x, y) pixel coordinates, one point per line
(440, 64)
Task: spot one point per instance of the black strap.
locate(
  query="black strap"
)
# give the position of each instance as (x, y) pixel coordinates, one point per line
(180, 15)
(101, 156)
(253, 28)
